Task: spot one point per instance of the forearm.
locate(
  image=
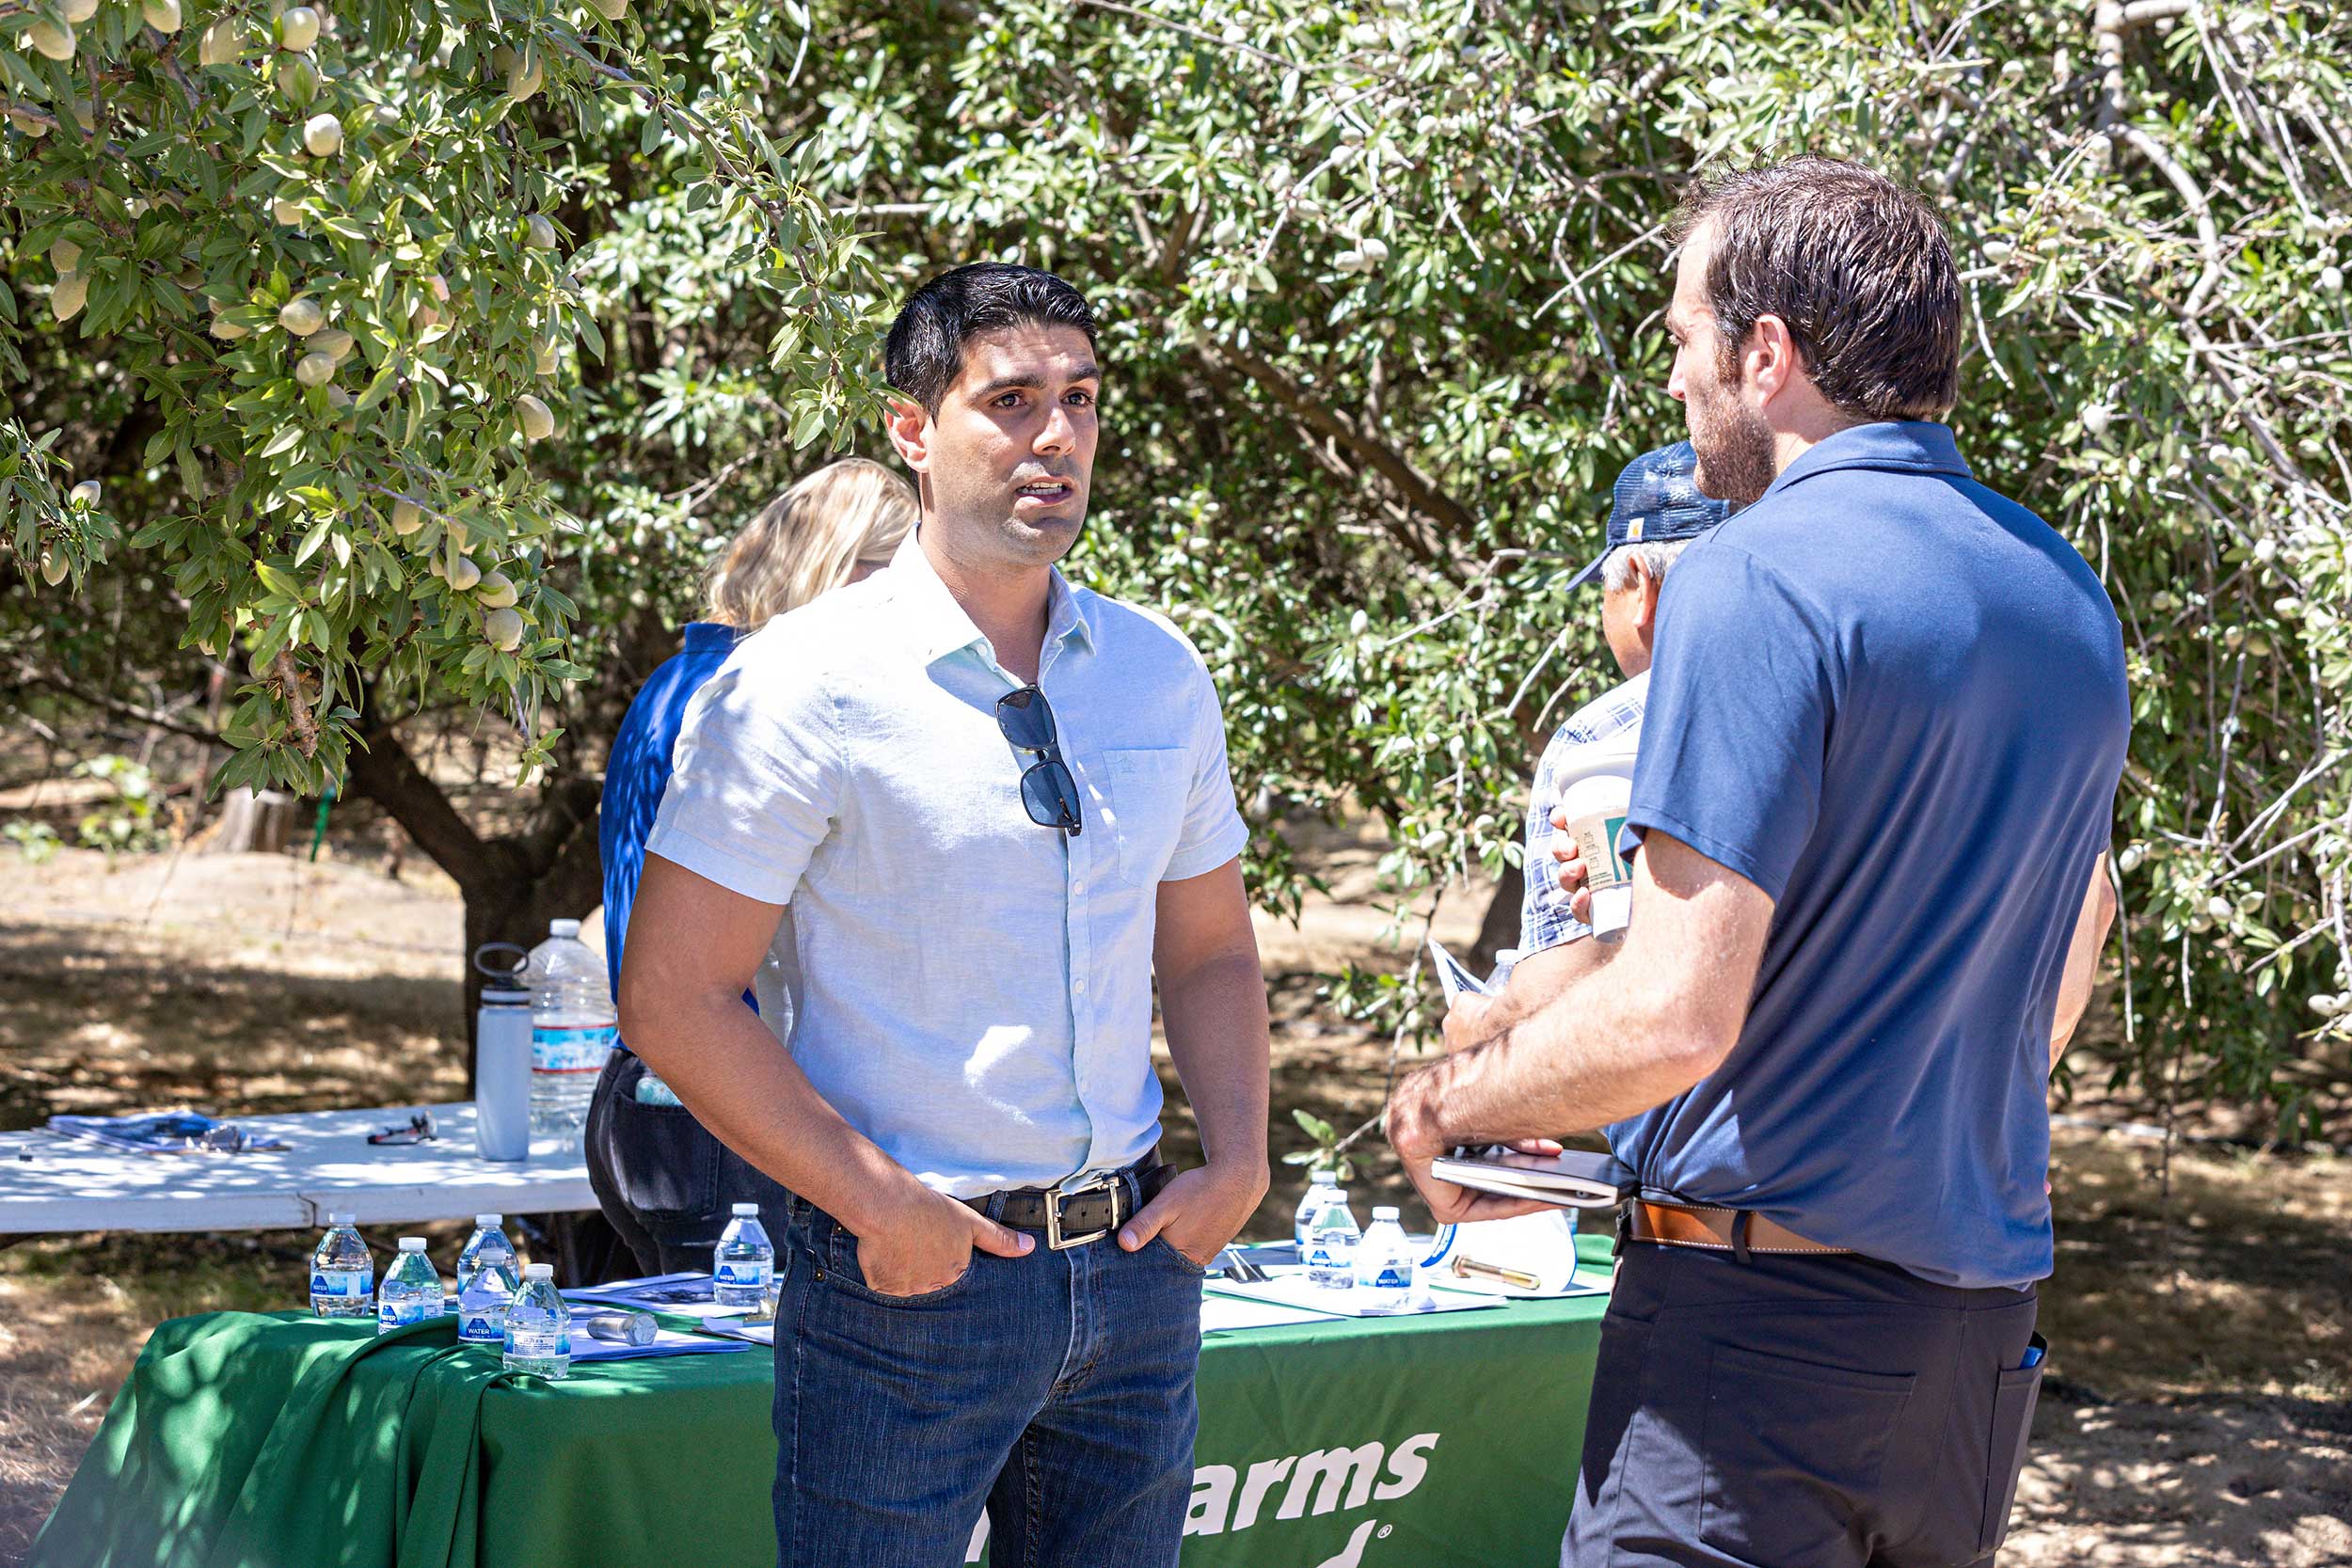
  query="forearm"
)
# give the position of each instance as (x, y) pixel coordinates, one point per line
(1599, 1052)
(744, 1087)
(1650, 1022)
(1537, 981)
(1217, 1034)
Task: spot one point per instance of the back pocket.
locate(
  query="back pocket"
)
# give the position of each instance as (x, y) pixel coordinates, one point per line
(1793, 1450)
(2013, 1398)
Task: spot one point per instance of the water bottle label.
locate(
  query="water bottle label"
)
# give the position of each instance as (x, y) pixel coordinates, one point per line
(401, 1314)
(481, 1328)
(1392, 1277)
(572, 1050)
(746, 1271)
(350, 1286)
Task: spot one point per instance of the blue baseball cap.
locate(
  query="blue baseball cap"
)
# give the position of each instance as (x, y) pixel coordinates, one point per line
(1657, 500)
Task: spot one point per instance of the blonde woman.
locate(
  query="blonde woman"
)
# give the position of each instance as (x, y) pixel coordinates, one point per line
(664, 1183)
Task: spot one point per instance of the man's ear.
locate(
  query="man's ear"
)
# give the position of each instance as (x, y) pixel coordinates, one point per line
(910, 427)
(1645, 618)
(1770, 357)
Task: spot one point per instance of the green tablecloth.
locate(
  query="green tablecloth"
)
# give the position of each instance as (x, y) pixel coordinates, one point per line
(280, 1441)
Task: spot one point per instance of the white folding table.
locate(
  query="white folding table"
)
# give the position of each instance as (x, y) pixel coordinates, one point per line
(50, 1183)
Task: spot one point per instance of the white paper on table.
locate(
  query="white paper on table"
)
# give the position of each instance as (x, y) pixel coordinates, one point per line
(1500, 1290)
(666, 1341)
(686, 1294)
(1221, 1313)
(1292, 1290)
(761, 1332)
(1541, 1245)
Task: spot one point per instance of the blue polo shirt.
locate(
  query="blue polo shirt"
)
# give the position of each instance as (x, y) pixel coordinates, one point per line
(1894, 700)
(638, 772)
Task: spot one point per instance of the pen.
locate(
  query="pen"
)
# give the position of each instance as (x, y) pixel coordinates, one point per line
(1467, 1268)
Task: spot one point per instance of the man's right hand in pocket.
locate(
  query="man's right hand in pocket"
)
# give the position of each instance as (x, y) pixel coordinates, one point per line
(926, 1242)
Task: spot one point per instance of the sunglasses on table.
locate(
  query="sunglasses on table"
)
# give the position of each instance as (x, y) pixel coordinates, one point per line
(1047, 789)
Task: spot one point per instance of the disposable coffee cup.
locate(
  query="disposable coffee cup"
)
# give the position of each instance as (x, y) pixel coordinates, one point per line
(1595, 806)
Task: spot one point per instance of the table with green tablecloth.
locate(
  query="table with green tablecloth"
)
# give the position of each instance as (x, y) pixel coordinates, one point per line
(245, 1440)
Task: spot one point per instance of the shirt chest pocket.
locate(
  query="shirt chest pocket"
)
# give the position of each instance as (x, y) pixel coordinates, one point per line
(1148, 790)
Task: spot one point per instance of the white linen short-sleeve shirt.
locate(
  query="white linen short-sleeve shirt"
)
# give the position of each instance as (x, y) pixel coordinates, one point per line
(969, 990)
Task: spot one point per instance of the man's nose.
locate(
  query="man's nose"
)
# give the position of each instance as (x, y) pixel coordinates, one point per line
(1059, 433)
(1673, 380)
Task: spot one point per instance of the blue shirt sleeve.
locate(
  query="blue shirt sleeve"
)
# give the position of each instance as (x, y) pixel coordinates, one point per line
(1742, 689)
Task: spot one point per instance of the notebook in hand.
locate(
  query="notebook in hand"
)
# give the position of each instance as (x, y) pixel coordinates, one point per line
(1571, 1179)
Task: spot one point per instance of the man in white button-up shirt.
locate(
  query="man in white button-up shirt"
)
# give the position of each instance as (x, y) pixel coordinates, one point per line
(951, 822)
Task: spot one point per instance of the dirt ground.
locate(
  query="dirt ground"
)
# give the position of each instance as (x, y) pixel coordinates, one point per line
(2195, 1415)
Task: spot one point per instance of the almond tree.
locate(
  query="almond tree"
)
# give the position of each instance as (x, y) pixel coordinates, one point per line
(331, 309)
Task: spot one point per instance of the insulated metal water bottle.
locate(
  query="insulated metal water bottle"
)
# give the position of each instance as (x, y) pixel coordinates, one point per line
(502, 1057)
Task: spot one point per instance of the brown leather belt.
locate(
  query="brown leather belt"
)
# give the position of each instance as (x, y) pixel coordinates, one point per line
(1702, 1224)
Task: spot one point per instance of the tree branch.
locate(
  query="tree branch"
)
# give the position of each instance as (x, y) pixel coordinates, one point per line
(1419, 491)
(119, 709)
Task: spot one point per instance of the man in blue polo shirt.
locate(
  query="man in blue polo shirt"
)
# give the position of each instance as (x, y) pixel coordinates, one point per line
(1886, 723)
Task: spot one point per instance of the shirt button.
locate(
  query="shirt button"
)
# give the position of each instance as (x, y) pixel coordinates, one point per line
(1078, 886)
(1080, 986)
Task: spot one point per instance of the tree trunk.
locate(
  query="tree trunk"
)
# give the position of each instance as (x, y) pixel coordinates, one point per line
(512, 885)
(251, 822)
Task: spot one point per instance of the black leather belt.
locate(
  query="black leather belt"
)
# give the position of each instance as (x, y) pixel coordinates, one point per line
(1082, 1214)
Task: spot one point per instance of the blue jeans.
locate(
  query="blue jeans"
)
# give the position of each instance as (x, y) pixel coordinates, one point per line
(1054, 1390)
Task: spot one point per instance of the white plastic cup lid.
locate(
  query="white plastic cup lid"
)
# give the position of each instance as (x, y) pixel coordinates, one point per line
(1384, 1213)
(749, 1211)
(489, 1222)
(343, 1219)
(563, 927)
(412, 1243)
(538, 1271)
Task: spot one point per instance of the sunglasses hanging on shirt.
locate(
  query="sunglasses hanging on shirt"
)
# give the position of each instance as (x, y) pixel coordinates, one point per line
(1048, 789)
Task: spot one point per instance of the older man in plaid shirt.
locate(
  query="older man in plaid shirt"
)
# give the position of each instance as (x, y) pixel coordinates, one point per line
(1655, 514)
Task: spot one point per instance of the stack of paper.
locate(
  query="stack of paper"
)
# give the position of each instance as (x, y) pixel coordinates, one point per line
(686, 1295)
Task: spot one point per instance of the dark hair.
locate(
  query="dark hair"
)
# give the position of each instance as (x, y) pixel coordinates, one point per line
(1858, 267)
(925, 352)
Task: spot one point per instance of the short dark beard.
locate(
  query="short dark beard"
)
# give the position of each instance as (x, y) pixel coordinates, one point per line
(1734, 448)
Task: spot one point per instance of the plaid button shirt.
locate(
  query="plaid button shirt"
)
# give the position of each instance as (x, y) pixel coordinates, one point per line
(1545, 918)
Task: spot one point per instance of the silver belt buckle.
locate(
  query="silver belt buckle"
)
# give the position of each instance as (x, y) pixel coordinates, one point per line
(1054, 1240)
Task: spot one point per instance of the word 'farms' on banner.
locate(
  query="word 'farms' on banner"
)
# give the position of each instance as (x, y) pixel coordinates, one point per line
(1325, 1482)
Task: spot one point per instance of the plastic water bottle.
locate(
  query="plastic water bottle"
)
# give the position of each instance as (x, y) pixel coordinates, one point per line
(488, 1274)
(539, 1326)
(574, 1027)
(1321, 1186)
(343, 1272)
(411, 1291)
(1384, 1266)
(1331, 1244)
(743, 1262)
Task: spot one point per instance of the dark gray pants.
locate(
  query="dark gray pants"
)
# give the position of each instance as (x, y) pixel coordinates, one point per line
(1799, 1413)
(666, 1184)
